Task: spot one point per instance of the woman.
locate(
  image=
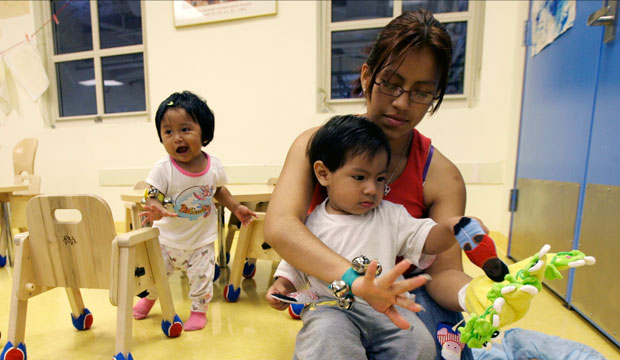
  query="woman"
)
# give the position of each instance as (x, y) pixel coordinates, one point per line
(403, 79)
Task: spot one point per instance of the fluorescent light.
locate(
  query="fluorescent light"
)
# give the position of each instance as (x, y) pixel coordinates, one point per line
(91, 82)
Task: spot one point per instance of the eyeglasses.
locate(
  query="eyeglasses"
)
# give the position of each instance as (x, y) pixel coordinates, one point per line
(418, 97)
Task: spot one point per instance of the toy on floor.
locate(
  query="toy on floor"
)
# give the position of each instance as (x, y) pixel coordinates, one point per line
(480, 248)
(494, 305)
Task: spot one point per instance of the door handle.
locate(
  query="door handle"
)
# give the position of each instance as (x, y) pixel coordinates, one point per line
(605, 16)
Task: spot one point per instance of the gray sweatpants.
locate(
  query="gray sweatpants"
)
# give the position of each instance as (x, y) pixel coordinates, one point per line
(329, 332)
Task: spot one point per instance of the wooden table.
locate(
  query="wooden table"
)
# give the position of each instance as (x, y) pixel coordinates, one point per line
(6, 238)
(241, 192)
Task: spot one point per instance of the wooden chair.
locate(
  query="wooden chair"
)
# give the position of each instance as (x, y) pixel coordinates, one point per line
(24, 153)
(132, 220)
(20, 199)
(251, 244)
(85, 253)
(234, 224)
(23, 166)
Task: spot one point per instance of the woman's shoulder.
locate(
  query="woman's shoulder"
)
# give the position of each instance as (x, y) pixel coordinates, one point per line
(441, 167)
(304, 137)
(444, 189)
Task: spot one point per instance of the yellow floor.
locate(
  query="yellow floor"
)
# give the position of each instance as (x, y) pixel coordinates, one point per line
(248, 329)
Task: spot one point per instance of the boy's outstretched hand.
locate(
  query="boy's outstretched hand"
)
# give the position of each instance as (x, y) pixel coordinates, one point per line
(383, 292)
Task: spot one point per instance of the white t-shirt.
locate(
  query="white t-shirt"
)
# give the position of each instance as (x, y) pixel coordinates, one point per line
(382, 234)
(192, 196)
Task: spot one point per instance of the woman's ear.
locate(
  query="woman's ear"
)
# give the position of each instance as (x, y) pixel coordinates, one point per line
(321, 172)
(365, 77)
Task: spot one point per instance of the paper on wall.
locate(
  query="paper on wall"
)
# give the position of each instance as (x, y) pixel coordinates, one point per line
(26, 66)
(5, 103)
(550, 19)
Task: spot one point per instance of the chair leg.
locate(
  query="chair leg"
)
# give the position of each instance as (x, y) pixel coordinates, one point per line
(172, 325)
(15, 346)
(80, 316)
(230, 235)
(232, 290)
(125, 289)
(17, 320)
(3, 237)
(128, 222)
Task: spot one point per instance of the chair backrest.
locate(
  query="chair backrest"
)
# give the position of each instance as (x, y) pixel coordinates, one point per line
(141, 185)
(257, 248)
(33, 182)
(66, 250)
(23, 156)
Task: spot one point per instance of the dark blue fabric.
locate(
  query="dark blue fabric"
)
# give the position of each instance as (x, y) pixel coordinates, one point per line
(435, 314)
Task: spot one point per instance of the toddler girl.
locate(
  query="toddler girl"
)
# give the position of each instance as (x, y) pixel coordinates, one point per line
(179, 200)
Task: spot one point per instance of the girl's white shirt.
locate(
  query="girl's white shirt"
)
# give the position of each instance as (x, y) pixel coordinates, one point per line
(192, 196)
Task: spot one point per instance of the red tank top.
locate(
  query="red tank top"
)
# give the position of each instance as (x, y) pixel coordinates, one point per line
(407, 189)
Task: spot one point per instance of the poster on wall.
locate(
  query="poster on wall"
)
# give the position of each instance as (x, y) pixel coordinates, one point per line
(192, 12)
(550, 19)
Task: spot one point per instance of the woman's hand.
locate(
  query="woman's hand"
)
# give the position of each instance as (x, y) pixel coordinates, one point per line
(384, 292)
(154, 211)
(280, 286)
(244, 214)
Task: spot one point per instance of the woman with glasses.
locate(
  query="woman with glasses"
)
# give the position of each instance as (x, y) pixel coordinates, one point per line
(403, 79)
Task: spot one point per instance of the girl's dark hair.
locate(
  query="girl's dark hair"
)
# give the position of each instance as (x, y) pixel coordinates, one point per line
(411, 30)
(346, 136)
(195, 106)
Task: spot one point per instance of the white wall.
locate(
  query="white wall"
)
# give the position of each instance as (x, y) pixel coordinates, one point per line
(259, 77)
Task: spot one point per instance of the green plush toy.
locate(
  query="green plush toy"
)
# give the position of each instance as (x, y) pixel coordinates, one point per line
(502, 303)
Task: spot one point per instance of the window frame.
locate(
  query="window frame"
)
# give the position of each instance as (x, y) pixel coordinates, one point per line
(474, 18)
(96, 54)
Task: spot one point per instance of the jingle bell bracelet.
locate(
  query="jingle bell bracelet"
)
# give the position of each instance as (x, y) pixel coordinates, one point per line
(342, 288)
(153, 193)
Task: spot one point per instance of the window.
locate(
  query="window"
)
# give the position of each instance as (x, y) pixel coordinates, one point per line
(96, 52)
(350, 27)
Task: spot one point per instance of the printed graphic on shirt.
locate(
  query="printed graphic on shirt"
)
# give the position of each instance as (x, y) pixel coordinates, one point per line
(194, 202)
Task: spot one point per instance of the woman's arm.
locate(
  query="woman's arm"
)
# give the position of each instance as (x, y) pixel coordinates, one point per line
(444, 196)
(286, 232)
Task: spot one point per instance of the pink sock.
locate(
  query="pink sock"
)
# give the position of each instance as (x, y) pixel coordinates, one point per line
(142, 308)
(196, 321)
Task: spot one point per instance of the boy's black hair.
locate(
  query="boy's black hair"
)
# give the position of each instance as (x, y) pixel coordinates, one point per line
(346, 136)
(195, 106)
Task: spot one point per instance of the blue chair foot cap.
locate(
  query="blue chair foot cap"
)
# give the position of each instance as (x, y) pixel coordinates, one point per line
(120, 356)
(84, 321)
(249, 270)
(230, 294)
(13, 353)
(174, 328)
(216, 274)
(294, 310)
(2, 261)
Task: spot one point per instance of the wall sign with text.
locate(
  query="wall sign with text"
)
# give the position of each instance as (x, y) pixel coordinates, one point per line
(191, 12)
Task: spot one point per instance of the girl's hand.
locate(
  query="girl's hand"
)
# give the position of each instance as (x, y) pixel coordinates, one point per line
(384, 292)
(154, 212)
(244, 214)
(280, 286)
